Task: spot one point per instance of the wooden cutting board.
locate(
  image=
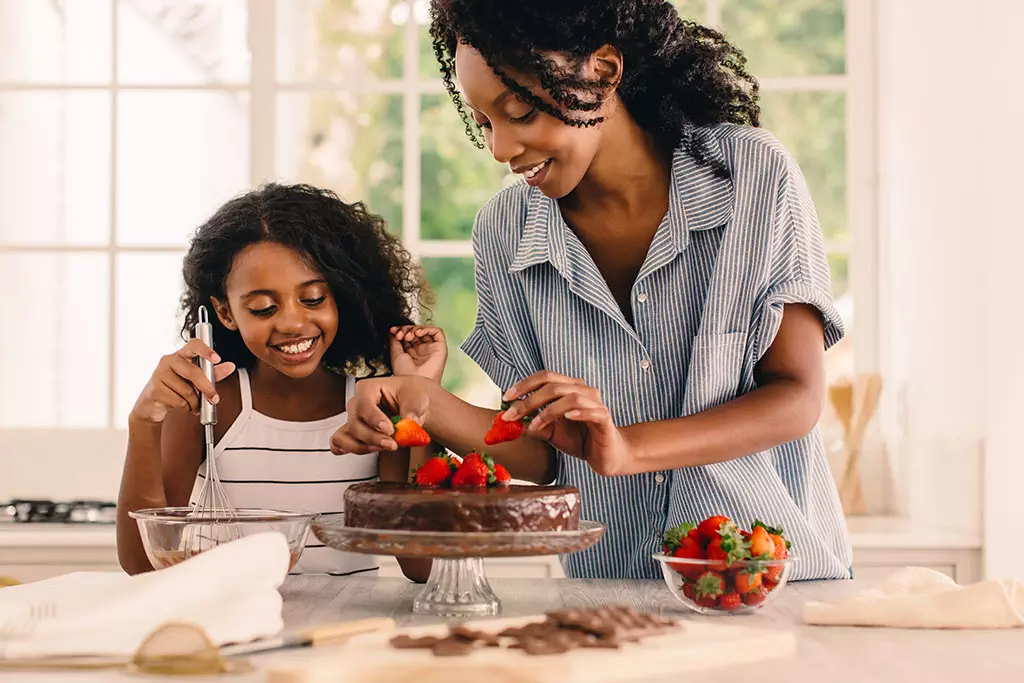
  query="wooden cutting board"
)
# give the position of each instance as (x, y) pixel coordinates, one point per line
(700, 644)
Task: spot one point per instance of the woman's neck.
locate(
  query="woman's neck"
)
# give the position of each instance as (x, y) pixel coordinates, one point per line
(628, 175)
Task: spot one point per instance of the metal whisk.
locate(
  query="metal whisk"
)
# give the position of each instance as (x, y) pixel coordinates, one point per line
(212, 507)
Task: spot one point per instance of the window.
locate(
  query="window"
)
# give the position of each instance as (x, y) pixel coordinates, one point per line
(124, 123)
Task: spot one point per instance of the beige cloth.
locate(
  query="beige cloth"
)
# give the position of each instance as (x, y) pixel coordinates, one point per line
(230, 591)
(916, 597)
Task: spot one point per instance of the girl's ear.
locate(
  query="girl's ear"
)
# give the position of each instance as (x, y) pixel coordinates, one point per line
(224, 313)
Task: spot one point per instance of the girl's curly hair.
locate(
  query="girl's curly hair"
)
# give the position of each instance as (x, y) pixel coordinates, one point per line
(373, 279)
(678, 76)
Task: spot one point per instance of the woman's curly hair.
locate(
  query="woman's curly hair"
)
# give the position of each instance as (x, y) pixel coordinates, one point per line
(678, 76)
(373, 279)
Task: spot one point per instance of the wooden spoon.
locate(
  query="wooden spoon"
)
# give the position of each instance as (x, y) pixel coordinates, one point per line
(866, 395)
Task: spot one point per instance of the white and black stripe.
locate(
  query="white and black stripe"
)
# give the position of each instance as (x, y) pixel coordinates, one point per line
(268, 463)
(706, 304)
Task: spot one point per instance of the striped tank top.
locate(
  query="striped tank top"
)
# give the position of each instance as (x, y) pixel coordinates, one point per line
(264, 462)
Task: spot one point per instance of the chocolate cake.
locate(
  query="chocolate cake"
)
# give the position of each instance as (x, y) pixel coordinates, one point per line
(384, 505)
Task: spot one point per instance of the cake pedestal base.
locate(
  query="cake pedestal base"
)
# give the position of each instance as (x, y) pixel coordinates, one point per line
(457, 588)
(458, 584)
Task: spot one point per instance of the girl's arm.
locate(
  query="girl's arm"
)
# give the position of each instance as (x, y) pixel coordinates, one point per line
(159, 470)
(448, 419)
(394, 466)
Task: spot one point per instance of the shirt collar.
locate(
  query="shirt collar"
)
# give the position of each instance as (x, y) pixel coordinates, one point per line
(698, 200)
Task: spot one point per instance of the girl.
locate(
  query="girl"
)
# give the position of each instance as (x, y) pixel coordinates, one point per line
(656, 291)
(305, 289)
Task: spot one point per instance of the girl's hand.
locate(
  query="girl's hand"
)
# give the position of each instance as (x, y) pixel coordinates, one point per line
(177, 383)
(418, 350)
(572, 418)
(368, 428)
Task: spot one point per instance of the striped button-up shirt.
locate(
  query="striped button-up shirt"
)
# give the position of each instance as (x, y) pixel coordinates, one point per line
(706, 304)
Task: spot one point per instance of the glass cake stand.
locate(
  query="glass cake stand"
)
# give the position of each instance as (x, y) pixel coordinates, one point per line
(458, 583)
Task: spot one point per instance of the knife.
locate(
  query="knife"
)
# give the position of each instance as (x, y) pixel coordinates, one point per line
(328, 634)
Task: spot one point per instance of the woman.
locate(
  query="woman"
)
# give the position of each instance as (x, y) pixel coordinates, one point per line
(657, 287)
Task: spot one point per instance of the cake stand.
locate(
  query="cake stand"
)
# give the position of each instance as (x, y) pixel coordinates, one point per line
(458, 583)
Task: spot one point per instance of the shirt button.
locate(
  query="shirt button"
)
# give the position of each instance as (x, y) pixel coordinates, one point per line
(659, 478)
(641, 297)
(645, 364)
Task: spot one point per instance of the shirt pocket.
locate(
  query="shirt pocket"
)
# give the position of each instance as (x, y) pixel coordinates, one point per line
(715, 370)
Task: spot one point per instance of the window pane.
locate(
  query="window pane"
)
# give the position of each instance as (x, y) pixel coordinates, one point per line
(457, 179)
(54, 168)
(55, 42)
(455, 311)
(54, 352)
(812, 126)
(839, 360)
(180, 156)
(340, 40)
(693, 10)
(791, 38)
(149, 287)
(185, 43)
(349, 143)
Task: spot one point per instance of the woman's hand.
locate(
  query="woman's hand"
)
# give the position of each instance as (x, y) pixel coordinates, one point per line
(418, 350)
(368, 428)
(571, 417)
(178, 382)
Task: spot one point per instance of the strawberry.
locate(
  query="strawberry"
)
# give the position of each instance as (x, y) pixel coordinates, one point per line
(761, 544)
(502, 430)
(729, 549)
(710, 527)
(747, 582)
(690, 591)
(472, 472)
(710, 585)
(689, 549)
(730, 601)
(501, 475)
(780, 550)
(674, 536)
(434, 472)
(408, 433)
(756, 596)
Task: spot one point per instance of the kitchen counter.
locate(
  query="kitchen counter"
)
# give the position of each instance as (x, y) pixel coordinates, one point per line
(829, 654)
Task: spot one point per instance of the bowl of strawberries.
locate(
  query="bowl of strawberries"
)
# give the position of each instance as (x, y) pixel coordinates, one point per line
(716, 567)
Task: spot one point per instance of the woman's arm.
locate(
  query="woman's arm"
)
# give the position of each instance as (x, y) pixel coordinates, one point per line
(785, 406)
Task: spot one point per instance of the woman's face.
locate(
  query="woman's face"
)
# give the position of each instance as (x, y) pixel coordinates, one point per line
(549, 154)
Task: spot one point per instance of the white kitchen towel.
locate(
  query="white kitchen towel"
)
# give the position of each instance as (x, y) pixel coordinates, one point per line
(916, 597)
(230, 591)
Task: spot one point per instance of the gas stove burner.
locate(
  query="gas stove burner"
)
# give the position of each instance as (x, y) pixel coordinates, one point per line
(58, 512)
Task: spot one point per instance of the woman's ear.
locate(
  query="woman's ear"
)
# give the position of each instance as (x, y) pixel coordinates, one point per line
(606, 65)
(223, 313)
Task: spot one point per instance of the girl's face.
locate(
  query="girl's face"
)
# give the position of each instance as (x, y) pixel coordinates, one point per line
(550, 155)
(283, 309)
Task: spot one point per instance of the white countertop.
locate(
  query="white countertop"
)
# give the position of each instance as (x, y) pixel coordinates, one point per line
(865, 533)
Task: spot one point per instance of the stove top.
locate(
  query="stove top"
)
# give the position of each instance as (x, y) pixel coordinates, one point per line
(57, 512)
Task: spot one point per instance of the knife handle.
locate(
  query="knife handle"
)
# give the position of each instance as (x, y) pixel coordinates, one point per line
(329, 633)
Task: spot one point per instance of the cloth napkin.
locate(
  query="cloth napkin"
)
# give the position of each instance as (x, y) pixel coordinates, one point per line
(230, 591)
(916, 597)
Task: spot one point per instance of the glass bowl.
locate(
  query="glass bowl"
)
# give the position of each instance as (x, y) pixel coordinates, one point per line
(746, 585)
(169, 534)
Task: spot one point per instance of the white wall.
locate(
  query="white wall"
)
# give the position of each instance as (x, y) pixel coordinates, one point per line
(949, 157)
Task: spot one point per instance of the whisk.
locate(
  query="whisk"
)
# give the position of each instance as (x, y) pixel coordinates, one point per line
(212, 508)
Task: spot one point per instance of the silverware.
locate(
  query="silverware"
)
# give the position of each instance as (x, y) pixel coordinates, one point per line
(328, 634)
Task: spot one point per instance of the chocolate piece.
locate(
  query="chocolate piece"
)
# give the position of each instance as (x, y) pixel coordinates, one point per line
(454, 646)
(408, 642)
(390, 505)
(561, 631)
